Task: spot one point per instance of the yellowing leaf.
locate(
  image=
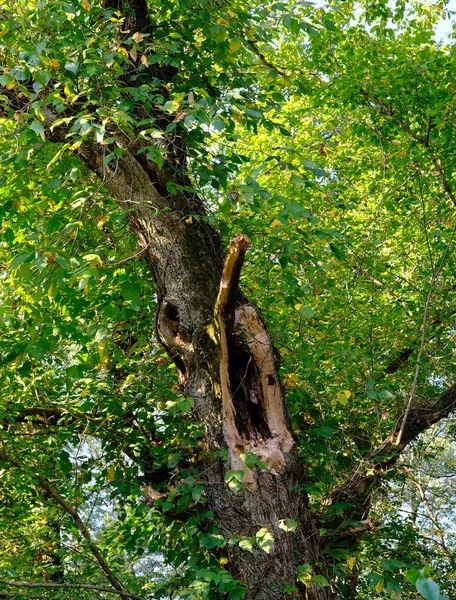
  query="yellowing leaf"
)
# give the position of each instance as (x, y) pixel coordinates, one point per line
(85, 5)
(52, 292)
(172, 106)
(134, 53)
(101, 222)
(223, 560)
(84, 392)
(351, 562)
(379, 586)
(343, 396)
(288, 525)
(138, 38)
(52, 63)
(235, 46)
(305, 578)
(143, 60)
(76, 145)
(122, 50)
(276, 223)
(111, 473)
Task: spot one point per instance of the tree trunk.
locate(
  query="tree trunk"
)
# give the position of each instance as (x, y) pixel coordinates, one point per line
(226, 363)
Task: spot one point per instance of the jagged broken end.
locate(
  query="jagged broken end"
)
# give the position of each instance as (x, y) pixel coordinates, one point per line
(252, 401)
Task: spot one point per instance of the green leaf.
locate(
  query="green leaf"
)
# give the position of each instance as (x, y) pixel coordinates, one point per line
(212, 540)
(247, 544)
(21, 258)
(319, 581)
(307, 312)
(337, 251)
(253, 113)
(218, 124)
(155, 156)
(234, 479)
(238, 593)
(62, 261)
(38, 129)
(72, 66)
(288, 525)
(392, 565)
(65, 462)
(427, 588)
(197, 492)
(298, 210)
(264, 539)
(385, 394)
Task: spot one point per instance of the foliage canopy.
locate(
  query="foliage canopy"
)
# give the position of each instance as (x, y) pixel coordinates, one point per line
(326, 135)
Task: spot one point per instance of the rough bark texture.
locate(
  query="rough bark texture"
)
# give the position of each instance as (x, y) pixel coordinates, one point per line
(185, 258)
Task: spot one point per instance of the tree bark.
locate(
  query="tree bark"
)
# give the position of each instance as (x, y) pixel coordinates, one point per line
(185, 258)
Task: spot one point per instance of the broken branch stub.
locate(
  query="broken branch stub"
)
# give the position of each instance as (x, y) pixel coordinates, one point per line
(254, 418)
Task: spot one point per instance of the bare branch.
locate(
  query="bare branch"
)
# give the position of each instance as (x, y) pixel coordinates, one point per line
(357, 489)
(67, 586)
(80, 525)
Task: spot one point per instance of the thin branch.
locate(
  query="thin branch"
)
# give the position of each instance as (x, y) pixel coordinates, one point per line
(445, 183)
(80, 525)
(418, 360)
(432, 517)
(434, 278)
(377, 104)
(69, 586)
(264, 60)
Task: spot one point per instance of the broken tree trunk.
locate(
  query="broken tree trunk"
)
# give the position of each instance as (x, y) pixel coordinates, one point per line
(227, 365)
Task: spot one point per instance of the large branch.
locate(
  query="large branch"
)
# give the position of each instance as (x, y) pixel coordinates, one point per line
(357, 490)
(67, 586)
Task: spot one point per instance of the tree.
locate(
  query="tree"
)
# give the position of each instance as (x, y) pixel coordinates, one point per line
(126, 115)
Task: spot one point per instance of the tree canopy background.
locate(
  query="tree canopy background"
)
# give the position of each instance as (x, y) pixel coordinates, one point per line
(326, 135)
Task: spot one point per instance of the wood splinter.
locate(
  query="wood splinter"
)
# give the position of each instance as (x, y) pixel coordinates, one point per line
(253, 421)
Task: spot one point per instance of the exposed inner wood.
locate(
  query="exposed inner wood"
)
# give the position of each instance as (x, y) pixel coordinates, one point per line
(252, 402)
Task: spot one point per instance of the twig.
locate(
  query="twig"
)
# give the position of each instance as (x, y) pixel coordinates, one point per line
(82, 528)
(69, 586)
(434, 278)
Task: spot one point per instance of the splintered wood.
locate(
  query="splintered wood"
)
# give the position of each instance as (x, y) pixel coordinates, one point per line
(254, 393)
